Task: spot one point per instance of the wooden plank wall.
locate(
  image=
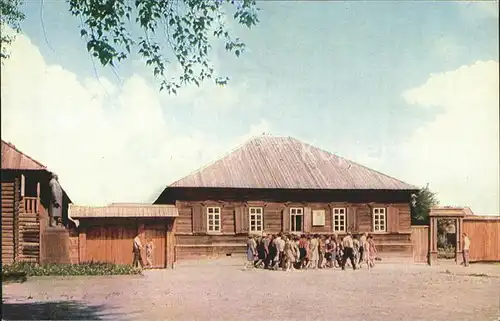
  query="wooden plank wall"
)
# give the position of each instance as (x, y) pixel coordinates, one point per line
(484, 235)
(56, 249)
(74, 254)
(9, 209)
(420, 242)
(170, 258)
(157, 234)
(111, 240)
(109, 244)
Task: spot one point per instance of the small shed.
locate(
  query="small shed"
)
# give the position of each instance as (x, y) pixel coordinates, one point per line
(106, 233)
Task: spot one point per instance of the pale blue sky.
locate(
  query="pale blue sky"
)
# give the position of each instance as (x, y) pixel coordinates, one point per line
(330, 73)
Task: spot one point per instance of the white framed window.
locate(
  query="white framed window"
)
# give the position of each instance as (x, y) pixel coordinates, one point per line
(256, 219)
(213, 219)
(379, 219)
(296, 219)
(339, 219)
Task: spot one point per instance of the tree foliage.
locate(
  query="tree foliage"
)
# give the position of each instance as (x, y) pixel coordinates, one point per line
(10, 15)
(425, 200)
(162, 32)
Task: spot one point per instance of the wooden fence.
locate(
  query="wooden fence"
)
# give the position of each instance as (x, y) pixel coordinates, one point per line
(420, 243)
(114, 242)
(484, 233)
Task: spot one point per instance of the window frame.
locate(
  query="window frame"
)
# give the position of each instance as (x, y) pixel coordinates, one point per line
(301, 209)
(261, 214)
(379, 215)
(344, 214)
(217, 211)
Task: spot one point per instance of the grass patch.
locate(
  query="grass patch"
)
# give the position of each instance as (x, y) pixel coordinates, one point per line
(90, 268)
(13, 277)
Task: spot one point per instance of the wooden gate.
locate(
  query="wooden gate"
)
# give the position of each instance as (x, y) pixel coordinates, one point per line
(110, 244)
(157, 235)
(420, 242)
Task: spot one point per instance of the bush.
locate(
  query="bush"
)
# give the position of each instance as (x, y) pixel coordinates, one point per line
(90, 268)
(13, 277)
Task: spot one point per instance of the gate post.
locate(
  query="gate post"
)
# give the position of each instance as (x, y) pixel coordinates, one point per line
(433, 253)
(459, 231)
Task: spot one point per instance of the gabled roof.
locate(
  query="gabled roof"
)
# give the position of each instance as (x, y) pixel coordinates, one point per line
(12, 158)
(287, 163)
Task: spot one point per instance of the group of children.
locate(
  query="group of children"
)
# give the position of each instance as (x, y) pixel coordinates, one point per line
(290, 252)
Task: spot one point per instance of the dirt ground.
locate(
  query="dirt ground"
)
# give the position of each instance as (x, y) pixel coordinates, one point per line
(221, 290)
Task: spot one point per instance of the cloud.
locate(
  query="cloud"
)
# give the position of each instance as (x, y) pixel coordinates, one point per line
(479, 9)
(458, 152)
(108, 142)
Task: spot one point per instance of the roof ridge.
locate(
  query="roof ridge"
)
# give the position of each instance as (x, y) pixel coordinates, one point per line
(217, 160)
(354, 163)
(24, 154)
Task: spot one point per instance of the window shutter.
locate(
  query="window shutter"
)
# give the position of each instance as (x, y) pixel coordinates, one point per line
(245, 222)
(392, 221)
(285, 220)
(238, 218)
(197, 218)
(204, 227)
(307, 219)
(220, 219)
(350, 219)
(355, 223)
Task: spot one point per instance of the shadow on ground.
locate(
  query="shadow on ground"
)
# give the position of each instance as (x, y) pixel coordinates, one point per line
(54, 310)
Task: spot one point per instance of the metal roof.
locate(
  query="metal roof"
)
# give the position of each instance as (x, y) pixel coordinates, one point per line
(12, 158)
(287, 163)
(122, 210)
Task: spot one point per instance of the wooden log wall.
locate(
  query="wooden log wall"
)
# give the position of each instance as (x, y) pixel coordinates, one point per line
(29, 230)
(190, 246)
(10, 210)
(193, 238)
(484, 234)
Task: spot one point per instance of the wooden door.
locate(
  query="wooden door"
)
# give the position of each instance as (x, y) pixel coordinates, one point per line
(157, 235)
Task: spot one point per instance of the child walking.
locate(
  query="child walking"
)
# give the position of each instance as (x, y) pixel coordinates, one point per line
(149, 253)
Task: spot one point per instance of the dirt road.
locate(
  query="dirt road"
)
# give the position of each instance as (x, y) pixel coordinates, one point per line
(221, 290)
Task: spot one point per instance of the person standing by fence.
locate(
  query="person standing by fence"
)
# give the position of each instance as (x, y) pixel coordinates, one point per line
(466, 247)
(137, 250)
(149, 253)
